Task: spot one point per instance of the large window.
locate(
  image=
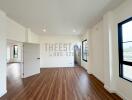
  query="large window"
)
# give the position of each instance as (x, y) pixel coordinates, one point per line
(125, 49)
(15, 53)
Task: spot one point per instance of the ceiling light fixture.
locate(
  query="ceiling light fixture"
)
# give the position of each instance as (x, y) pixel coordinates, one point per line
(44, 30)
(74, 30)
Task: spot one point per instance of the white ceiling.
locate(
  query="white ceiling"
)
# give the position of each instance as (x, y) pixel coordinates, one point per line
(58, 16)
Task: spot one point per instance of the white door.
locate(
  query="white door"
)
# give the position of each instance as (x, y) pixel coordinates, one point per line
(31, 59)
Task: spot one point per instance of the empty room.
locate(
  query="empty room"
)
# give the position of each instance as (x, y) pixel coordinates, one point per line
(65, 49)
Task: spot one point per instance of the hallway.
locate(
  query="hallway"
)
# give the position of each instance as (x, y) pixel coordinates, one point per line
(56, 84)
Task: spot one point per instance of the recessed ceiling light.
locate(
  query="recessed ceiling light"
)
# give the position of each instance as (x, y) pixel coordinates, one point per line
(44, 30)
(74, 30)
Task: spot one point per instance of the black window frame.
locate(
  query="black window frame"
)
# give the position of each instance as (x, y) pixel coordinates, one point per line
(83, 47)
(15, 53)
(120, 47)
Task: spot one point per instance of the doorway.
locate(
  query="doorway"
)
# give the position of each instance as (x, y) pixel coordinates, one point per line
(14, 64)
(23, 60)
(14, 57)
(77, 55)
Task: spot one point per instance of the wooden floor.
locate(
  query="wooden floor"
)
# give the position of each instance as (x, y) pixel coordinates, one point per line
(56, 84)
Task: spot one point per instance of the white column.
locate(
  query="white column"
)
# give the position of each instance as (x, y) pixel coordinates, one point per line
(3, 88)
(108, 55)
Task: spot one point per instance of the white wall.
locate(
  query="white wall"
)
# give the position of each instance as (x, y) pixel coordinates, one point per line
(123, 87)
(88, 65)
(96, 43)
(109, 79)
(97, 47)
(11, 30)
(46, 58)
(31, 53)
(2, 54)
(95, 64)
(15, 31)
(32, 37)
(84, 64)
(104, 44)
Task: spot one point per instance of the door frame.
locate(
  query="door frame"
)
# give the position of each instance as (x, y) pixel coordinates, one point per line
(14, 42)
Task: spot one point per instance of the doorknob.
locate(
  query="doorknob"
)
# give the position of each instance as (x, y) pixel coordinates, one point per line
(38, 58)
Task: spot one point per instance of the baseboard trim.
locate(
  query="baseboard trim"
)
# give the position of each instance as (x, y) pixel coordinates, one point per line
(3, 93)
(109, 90)
(98, 78)
(30, 75)
(89, 72)
(122, 96)
(114, 91)
(57, 67)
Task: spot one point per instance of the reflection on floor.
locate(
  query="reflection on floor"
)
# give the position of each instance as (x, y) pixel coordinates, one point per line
(13, 77)
(13, 71)
(56, 84)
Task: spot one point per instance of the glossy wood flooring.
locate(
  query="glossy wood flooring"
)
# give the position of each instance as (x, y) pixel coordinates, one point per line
(57, 84)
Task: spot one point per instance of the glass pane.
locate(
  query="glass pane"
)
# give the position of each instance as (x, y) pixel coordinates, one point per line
(127, 72)
(85, 50)
(127, 51)
(15, 51)
(127, 31)
(16, 48)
